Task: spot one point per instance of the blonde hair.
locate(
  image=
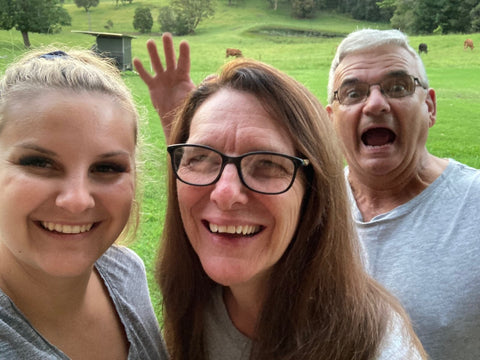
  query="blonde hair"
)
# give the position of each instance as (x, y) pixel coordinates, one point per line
(74, 70)
(77, 70)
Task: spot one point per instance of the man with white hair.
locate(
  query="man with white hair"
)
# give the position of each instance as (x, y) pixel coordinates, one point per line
(416, 214)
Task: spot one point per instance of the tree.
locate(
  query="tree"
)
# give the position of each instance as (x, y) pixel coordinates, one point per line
(86, 4)
(303, 8)
(475, 15)
(167, 19)
(143, 20)
(6, 14)
(123, 2)
(455, 15)
(183, 16)
(273, 4)
(402, 10)
(448, 15)
(194, 11)
(370, 10)
(39, 16)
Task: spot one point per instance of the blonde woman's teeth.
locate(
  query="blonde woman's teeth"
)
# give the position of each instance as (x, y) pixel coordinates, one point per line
(67, 229)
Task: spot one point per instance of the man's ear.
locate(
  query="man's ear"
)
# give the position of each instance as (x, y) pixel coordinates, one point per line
(431, 101)
(329, 110)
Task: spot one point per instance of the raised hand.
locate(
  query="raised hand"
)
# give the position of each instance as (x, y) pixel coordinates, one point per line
(168, 86)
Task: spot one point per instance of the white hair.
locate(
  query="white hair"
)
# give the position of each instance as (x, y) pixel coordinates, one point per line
(367, 39)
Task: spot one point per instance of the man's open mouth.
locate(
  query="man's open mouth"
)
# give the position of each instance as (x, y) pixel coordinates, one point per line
(378, 137)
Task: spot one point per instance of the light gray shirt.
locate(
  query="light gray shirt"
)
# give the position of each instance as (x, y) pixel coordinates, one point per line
(224, 341)
(426, 252)
(124, 275)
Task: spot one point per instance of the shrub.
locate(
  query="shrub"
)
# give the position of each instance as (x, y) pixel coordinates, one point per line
(183, 16)
(303, 9)
(167, 19)
(143, 20)
(86, 4)
(109, 24)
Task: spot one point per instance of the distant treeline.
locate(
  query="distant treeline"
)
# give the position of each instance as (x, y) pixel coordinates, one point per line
(412, 16)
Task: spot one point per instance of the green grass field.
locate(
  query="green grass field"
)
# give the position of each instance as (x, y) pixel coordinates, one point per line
(262, 34)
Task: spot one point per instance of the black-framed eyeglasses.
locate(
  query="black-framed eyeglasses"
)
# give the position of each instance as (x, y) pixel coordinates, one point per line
(393, 86)
(264, 172)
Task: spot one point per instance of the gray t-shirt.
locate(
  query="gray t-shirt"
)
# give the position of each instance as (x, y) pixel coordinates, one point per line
(426, 252)
(224, 341)
(124, 275)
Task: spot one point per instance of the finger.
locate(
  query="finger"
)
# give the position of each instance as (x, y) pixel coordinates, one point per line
(144, 75)
(154, 58)
(169, 51)
(184, 58)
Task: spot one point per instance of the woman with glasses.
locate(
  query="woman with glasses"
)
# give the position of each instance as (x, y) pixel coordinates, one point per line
(259, 259)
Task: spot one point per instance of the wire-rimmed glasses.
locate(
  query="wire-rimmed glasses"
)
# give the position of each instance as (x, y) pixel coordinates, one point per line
(393, 86)
(264, 172)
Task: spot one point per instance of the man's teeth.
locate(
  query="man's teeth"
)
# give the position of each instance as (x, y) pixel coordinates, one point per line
(67, 229)
(232, 229)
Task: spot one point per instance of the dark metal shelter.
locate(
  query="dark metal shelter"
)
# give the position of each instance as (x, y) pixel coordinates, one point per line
(115, 46)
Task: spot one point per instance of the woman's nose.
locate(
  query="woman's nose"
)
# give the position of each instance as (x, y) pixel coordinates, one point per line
(75, 195)
(229, 189)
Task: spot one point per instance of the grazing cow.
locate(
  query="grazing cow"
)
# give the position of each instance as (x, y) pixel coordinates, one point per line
(233, 52)
(422, 48)
(468, 44)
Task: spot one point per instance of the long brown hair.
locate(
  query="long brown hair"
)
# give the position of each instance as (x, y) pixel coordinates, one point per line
(330, 308)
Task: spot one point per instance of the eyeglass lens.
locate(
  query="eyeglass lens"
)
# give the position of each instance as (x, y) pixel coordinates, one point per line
(266, 173)
(392, 86)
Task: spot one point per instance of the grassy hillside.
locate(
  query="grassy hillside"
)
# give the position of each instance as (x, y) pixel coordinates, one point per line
(269, 36)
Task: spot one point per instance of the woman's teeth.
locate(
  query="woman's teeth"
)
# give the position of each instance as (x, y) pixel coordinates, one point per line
(67, 229)
(234, 229)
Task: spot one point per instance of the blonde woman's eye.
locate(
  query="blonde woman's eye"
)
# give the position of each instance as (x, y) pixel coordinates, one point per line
(35, 162)
(109, 168)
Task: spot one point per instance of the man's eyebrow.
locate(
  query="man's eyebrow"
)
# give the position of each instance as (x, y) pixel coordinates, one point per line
(349, 81)
(397, 73)
(353, 80)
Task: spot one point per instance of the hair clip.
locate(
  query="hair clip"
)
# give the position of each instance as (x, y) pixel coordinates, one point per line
(53, 54)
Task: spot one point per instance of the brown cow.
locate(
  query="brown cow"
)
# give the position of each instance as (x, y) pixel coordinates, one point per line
(468, 44)
(233, 52)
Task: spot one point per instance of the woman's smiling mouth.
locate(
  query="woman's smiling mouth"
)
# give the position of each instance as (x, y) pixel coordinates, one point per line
(66, 229)
(234, 229)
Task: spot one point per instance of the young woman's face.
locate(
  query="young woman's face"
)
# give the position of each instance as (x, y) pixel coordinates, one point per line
(67, 180)
(238, 234)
